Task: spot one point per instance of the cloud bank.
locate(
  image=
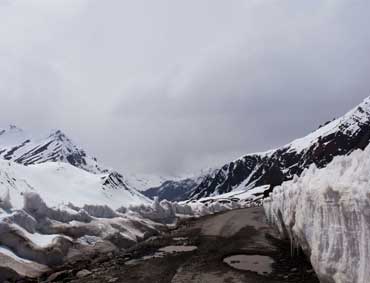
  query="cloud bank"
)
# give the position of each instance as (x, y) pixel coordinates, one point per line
(168, 87)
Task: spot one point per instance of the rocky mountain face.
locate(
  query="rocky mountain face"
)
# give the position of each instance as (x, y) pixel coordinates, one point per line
(338, 137)
(19, 146)
(172, 190)
(180, 188)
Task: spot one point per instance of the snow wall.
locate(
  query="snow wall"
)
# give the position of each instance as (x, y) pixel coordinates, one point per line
(327, 212)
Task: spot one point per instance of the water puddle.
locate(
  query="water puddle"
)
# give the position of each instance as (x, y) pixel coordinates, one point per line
(255, 263)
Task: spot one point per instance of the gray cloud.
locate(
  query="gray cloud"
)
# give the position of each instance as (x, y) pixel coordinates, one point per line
(174, 86)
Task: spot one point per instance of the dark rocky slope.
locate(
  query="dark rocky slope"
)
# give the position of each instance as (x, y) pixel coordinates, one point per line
(338, 137)
(172, 190)
(179, 189)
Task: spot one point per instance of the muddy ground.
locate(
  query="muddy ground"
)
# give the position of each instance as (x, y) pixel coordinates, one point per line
(237, 232)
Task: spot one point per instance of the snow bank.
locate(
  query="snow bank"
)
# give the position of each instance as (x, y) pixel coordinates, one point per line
(61, 183)
(49, 235)
(237, 199)
(327, 212)
(5, 201)
(167, 212)
(34, 205)
(162, 212)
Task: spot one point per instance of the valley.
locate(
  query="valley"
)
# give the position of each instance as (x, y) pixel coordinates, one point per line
(64, 217)
(236, 232)
(204, 141)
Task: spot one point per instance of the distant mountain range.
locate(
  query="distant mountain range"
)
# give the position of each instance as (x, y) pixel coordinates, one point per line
(178, 189)
(338, 137)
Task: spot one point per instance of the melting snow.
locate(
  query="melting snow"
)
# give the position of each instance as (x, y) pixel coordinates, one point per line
(7, 252)
(327, 212)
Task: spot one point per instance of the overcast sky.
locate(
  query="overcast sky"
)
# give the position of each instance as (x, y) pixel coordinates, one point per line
(173, 86)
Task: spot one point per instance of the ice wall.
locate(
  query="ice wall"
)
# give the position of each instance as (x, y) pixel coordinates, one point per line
(327, 212)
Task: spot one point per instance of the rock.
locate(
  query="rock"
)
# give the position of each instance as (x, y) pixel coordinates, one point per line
(83, 273)
(113, 280)
(58, 276)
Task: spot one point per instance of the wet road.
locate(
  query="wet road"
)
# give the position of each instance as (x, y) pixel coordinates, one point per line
(242, 233)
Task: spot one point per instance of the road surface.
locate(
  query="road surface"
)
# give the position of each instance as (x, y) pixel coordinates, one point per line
(208, 242)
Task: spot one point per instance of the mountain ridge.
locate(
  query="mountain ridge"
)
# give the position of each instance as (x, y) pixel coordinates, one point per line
(178, 189)
(17, 147)
(338, 137)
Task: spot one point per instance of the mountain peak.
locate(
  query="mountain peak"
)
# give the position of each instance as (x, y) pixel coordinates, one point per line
(59, 135)
(26, 149)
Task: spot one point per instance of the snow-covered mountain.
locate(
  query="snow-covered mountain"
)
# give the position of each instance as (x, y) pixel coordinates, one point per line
(178, 189)
(21, 147)
(338, 137)
(61, 172)
(143, 182)
(61, 183)
(172, 190)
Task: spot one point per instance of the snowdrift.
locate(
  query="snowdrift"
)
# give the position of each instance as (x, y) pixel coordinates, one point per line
(61, 183)
(167, 212)
(327, 213)
(238, 199)
(38, 236)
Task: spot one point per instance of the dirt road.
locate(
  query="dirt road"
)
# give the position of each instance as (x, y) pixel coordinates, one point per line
(203, 246)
